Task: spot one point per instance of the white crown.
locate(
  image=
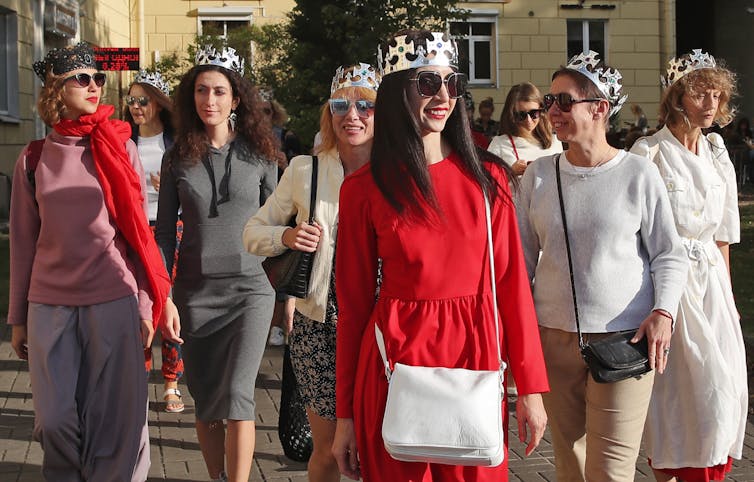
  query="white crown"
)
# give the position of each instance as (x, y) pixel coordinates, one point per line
(357, 75)
(227, 58)
(440, 51)
(154, 79)
(608, 80)
(685, 64)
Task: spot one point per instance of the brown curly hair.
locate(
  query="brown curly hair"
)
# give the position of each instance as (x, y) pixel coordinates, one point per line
(192, 142)
(718, 78)
(50, 105)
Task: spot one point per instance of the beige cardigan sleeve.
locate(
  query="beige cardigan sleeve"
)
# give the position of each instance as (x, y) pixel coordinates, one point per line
(263, 233)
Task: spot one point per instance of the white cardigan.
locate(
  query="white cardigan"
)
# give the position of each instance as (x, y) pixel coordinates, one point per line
(263, 233)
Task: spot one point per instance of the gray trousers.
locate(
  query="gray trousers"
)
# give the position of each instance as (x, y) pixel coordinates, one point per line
(89, 388)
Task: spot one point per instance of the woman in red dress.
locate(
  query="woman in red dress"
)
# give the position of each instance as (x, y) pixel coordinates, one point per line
(418, 207)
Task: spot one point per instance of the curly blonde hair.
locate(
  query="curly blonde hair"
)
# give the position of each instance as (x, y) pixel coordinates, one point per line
(50, 105)
(718, 78)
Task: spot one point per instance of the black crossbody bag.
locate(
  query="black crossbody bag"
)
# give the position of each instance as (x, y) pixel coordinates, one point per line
(613, 358)
(289, 272)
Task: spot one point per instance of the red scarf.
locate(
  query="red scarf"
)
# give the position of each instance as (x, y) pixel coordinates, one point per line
(121, 187)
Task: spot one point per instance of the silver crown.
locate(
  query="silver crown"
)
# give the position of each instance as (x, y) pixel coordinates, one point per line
(357, 75)
(266, 94)
(227, 58)
(685, 64)
(440, 51)
(608, 80)
(154, 79)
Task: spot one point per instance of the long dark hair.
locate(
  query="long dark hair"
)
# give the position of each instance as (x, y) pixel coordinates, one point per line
(398, 164)
(192, 142)
(525, 92)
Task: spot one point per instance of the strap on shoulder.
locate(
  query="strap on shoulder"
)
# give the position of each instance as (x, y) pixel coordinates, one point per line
(33, 154)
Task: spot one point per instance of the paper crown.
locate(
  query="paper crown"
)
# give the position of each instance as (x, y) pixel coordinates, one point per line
(227, 58)
(608, 80)
(357, 75)
(403, 53)
(687, 63)
(65, 59)
(154, 79)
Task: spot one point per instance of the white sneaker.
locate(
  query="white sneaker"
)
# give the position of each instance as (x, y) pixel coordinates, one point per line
(277, 337)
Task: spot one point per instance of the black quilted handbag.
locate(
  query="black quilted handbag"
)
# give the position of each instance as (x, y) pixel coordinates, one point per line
(289, 273)
(293, 426)
(613, 358)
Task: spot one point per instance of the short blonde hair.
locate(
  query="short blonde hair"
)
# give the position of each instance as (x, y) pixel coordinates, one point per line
(718, 78)
(50, 105)
(327, 134)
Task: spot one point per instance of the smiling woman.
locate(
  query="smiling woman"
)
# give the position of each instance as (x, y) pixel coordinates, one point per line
(420, 209)
(347, 128)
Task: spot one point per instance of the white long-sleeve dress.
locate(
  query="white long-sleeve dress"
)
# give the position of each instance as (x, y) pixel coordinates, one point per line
(697, 415)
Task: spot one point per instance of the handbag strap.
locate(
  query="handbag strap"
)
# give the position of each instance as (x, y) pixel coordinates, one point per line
(513, 144)
(488, 218)
(568, 249)
(313, 199)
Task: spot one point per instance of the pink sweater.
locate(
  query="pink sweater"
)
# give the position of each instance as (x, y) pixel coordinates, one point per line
(64, 250)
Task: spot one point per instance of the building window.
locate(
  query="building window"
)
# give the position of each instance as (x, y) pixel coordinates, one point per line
(585, 35)
(9, 66)
(223, 20)
(476, 44)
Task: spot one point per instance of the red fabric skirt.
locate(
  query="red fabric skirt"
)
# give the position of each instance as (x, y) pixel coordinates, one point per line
(699, 474)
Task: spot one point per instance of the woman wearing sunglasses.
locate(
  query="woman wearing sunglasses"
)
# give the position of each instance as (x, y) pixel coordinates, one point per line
(525, 130)
(627, 272)
(346, 127)
(697, 439)
(87, 282)
(419, 208)
(148, 111)
(219, 171)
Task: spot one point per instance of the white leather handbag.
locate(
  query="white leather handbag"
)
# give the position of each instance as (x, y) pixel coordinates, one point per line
(446, 415)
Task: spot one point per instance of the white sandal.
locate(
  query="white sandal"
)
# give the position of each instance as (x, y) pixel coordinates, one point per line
(173, 406)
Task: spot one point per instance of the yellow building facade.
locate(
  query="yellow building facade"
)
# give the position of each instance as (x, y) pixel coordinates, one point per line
(503, 43)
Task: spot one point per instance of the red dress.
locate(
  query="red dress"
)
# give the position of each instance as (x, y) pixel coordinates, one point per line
(434, 307)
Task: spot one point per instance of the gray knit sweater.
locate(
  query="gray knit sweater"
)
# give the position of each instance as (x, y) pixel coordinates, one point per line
(627, 257)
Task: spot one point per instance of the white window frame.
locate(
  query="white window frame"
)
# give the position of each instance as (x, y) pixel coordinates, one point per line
(483, 16)
(9, 70)
(585, 35)
(223, 14)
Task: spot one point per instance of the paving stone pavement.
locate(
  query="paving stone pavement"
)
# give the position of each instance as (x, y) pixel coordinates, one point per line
(175, 450)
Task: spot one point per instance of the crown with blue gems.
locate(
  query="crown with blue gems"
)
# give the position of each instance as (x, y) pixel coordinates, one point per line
(686, 64)
(357, 75)
(66, 59)
(608, 80)
(226, 58)
(404, 53)
(154, 79)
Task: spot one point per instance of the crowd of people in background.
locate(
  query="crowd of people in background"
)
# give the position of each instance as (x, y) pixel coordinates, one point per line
(407, 186)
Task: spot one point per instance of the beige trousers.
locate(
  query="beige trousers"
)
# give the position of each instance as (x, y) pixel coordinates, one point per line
(596, 427)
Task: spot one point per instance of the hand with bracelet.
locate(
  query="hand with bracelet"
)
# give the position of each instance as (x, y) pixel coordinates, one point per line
(657, 327)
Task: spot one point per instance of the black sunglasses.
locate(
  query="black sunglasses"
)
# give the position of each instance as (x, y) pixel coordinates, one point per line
(84, 79)
(141, 100)
(340, 107)
(521, 116)
(564, 100)
(429, 83)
